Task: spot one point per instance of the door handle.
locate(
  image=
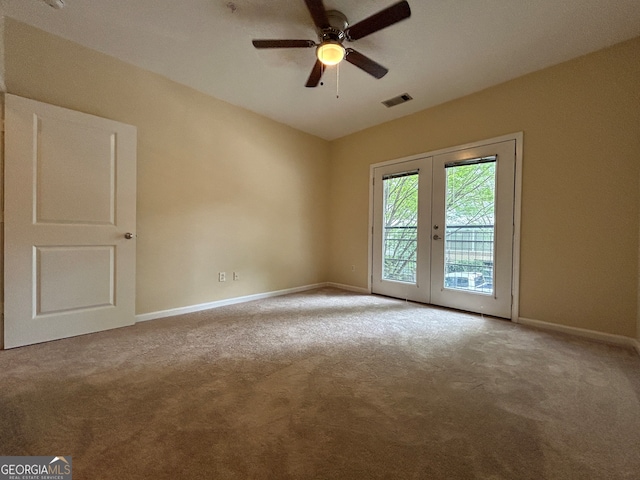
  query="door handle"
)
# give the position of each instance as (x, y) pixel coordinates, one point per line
(129, 235)
(437, 237)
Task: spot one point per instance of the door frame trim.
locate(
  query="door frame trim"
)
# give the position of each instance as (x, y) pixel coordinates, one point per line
(518, 137)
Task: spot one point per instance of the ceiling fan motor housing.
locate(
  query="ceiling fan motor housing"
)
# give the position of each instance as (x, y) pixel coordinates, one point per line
(337, 25)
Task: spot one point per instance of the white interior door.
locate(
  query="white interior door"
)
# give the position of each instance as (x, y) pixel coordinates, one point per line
(70, 204)
(443, 229)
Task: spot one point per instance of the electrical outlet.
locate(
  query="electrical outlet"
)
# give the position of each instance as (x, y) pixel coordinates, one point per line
(222, 277)
(236, 276)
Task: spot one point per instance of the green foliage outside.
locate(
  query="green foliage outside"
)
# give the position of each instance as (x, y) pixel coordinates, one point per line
(470, 201)
(400, 227)
(471, 194)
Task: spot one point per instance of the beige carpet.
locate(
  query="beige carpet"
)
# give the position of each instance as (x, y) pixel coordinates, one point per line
(326, 384)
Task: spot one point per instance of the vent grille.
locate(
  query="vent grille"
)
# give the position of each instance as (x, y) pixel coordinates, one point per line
(392, 102)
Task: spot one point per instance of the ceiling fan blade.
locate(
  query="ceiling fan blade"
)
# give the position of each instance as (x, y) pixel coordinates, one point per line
(390, 15)
(318, 13)
(365, 63)
(316, 75)
(283, 43)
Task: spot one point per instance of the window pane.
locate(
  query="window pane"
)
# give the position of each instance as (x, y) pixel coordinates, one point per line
(400, 232)
(469, 229)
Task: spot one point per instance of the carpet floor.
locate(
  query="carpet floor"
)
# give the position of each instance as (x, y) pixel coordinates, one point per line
(326, 384)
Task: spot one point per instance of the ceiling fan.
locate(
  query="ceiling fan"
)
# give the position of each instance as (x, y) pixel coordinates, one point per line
(334, 30)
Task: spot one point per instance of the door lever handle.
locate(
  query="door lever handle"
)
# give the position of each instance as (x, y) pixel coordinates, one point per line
(437, 237)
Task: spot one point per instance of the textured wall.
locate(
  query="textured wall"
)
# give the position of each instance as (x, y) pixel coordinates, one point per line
(579, 262)
(219, 188)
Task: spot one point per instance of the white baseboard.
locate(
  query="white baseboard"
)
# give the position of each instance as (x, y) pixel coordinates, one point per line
(143, 317)
(350, 288)
(582, 332)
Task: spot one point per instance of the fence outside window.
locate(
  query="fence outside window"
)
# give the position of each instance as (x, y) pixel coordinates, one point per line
(468, 248)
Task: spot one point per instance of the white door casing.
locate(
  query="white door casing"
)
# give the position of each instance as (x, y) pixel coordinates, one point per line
(70, 199)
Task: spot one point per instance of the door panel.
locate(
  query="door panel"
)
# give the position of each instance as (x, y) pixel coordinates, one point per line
(74, 278)
(402, 210)
(80, 161)
(70, 183)
(473, 203)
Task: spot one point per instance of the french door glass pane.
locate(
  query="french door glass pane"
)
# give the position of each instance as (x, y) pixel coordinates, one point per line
(469, 230)
(400, 227)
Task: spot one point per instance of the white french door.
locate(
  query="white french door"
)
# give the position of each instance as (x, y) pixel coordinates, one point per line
(401, 245)
(443, 229)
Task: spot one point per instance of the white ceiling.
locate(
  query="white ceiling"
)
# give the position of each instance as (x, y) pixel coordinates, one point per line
(447, 49)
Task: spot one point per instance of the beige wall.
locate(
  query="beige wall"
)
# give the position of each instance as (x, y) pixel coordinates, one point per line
(581, 124)
(219, 188)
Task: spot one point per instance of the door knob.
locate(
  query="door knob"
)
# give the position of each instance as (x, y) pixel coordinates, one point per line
(128, 235)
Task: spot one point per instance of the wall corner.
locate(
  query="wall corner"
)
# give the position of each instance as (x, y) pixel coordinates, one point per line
(637, 342)
(3, 84)
(3, 90)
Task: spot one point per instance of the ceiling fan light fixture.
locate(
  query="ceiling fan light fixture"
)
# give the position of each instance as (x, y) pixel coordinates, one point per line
(330, 52)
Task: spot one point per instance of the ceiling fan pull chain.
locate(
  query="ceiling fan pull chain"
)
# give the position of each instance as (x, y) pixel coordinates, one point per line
(338, 81)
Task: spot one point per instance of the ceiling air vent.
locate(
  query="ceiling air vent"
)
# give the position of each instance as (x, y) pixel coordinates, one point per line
(392, 102)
